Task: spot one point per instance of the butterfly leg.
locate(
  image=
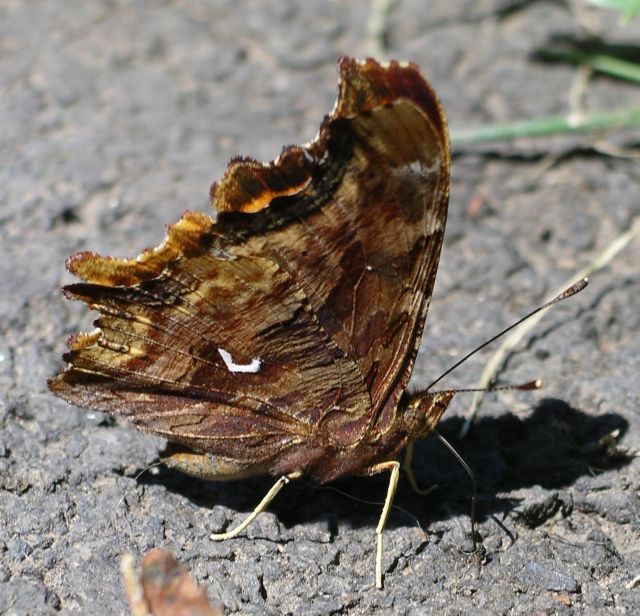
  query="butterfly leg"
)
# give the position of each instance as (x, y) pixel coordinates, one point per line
(407, 467)
(264, 503)
(394, 467)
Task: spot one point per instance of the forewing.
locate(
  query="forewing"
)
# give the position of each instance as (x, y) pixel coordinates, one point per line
(363, 232)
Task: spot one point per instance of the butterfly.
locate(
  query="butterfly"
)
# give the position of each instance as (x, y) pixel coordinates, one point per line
(280, 337)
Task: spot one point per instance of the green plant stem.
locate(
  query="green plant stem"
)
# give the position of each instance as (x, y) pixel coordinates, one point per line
(603, 63)
(550, 125)
(629, 8)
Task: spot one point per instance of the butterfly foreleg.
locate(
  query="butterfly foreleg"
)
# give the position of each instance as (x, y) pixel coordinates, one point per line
(407, 467)
(262, 505)
(394, 467)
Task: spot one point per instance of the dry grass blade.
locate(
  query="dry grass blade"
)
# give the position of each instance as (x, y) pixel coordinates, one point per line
(378, 28)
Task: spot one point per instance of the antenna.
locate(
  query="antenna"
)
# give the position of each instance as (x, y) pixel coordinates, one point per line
(528, 386)
(572, 290)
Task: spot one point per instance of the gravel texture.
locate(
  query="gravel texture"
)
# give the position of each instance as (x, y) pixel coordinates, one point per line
(117, 115)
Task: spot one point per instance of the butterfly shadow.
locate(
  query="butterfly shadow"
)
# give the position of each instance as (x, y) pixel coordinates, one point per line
(552, 448)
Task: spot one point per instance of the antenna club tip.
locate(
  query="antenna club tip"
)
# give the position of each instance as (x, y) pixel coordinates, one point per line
(576, 287)
(537, 384)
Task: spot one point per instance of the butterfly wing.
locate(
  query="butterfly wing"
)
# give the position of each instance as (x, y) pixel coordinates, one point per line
(363, 234)
(205, 345)
(291, 323)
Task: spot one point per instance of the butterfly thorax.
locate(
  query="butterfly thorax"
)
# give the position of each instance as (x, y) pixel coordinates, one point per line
(414, 417)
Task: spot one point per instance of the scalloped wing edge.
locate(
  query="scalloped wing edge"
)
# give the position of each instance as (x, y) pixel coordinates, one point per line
(183, 238)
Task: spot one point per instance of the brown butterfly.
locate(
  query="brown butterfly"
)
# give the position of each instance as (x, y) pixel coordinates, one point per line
(279, 339)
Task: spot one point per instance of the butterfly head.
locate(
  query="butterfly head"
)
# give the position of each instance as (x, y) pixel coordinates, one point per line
(423, 410)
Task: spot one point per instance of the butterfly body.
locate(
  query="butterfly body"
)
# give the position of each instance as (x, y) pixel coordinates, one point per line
(280, 337)
(321, 458)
